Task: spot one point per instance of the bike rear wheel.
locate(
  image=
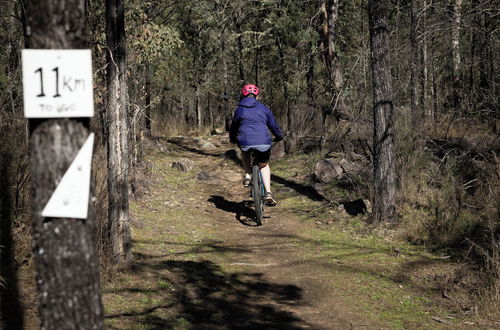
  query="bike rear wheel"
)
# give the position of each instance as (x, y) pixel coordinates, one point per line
(258, 196)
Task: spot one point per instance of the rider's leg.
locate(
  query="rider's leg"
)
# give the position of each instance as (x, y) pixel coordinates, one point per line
(266, 175)
(245, 159)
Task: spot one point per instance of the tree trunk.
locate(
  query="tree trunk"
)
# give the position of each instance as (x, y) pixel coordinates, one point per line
(455, 48)
(384, 160)
(424, 72)
(118, 150)
(198, 107)
(284, 80)
(67, 268)
(416, 109)
(310, 72)
(147, 113)
(240, 51)
(330, 12)
(225, 97)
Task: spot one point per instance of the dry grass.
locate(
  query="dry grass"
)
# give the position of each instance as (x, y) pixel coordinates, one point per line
(450, 204)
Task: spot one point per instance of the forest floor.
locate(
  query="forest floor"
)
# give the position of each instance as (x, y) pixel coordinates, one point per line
(201, 263)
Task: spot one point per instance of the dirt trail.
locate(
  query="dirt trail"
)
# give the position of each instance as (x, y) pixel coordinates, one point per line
(201, 263)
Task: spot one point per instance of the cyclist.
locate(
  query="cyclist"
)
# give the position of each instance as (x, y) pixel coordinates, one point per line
(250, 127)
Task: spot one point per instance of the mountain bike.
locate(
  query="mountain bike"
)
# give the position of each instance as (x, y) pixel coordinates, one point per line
(258, 192)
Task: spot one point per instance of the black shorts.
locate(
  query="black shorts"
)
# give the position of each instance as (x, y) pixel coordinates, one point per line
(260, 157)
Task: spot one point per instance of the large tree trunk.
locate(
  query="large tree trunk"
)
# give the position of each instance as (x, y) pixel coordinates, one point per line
(67, 268)
(118, 150)
(384, 160)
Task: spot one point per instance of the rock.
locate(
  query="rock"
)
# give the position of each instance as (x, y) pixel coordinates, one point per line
(179, 139)
(355, 207)
(232, 176)
(183, 165)
(308, 144)
(217, 131)
(351, 155)
(351, 168)
(208, 177)
(327, 170)
(230, 154)
(207, 145)
(368, 205)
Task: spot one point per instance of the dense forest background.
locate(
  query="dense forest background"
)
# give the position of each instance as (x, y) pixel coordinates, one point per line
(185, 62)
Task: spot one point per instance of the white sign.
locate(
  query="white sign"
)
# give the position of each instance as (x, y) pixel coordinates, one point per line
(71, 197)
(57, 83)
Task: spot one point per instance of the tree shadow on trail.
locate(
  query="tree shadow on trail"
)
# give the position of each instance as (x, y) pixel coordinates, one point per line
(302, 189)
(243, 213)
(206, 297)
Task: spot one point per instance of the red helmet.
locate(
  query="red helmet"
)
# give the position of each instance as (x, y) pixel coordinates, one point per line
(250, 89)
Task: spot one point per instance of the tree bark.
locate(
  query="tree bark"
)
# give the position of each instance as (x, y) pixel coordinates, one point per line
(416, 107)
(330, 12)
(384, 167)
(118, 150)
(67, 268)
(240, 51)
(424, 71)
(455, 48)
(147, 113)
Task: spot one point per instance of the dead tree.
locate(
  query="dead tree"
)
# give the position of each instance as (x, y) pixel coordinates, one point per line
(66, 263)
(384, 160)
(118, 130)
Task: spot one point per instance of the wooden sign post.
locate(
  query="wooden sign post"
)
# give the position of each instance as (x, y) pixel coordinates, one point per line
(57, 84)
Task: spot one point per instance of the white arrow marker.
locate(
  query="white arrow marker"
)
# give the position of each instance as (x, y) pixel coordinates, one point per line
(71, 197)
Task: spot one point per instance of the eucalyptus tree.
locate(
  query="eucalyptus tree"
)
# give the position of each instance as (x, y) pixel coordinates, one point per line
(118, 130)
(64, 249)
(384, 160)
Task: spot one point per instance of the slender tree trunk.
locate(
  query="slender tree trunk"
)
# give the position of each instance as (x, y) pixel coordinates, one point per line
(67, 268)
(416, 109)
(284, 80)
(456, 59)
(118, 149)
(225, 98)
(310, 73)
(257, 59)
(199, 122)
(147, 112)
(330, 12)
(384, 160)
(240, 52)
(424, 61)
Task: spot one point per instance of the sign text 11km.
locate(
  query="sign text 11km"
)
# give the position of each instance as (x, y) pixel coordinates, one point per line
(57, 83)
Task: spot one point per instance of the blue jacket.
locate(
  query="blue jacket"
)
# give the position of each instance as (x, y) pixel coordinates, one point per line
(251, 123)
